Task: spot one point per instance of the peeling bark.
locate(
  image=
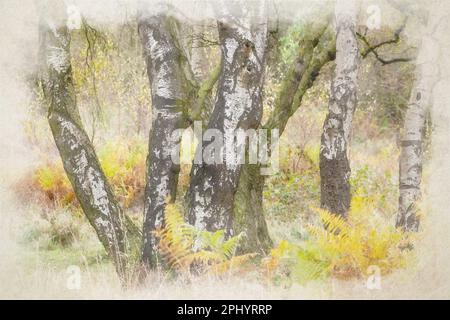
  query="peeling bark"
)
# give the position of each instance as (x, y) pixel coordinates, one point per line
(171, 85)
(80, 162)
(238, 106)
(334, 163)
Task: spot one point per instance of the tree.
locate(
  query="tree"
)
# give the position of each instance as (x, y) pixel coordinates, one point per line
(411, 144)
(227, 195)
(172, 86)
(178, 99)
(115, 231)
(334, 163)
(238, 107)
(316, 48)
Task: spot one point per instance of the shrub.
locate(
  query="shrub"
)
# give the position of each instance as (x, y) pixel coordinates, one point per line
(341, 248)
(123, 164)
(48, 230)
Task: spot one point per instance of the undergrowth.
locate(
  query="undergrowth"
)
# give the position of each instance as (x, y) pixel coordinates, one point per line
(186, 249)
(341, 248)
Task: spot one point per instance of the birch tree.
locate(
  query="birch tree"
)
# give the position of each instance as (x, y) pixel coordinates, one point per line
(316, 49)
(411, 144)
(242, 37)
(334, 163)
(171, 85)
(115, 231)
(178, 99)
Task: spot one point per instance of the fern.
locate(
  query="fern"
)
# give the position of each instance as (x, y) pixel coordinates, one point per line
(341, 248)
(352, 245)
(185, 248)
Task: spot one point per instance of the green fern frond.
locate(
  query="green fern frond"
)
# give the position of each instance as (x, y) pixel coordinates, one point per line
(182, 246)
(228, 248)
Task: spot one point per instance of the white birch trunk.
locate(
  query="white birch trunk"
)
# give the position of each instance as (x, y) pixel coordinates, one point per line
(334, 164)
(242, 34)
(170, 82)
(77, 153)
(411, 156)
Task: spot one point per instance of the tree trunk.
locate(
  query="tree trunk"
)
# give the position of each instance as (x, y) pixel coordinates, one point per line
(171, 85)
(411, 156)
(249, 212)
(334, 163)
(81, 164)
(316, 48)
(238, 106)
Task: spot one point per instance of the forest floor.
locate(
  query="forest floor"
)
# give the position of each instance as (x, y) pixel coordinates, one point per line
(30, 269)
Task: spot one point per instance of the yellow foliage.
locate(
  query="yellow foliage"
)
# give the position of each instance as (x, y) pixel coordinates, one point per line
(342, 248)
(54, 184)
(185, 248)
(122, 162)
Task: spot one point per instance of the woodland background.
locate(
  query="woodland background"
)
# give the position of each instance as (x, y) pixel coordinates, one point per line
(44, 231)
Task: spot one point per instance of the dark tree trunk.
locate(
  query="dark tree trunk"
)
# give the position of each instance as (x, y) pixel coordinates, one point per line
(171, 85)
(238, 106)
(334, 163)
(81, 164)
(249, 212)
(316, 48)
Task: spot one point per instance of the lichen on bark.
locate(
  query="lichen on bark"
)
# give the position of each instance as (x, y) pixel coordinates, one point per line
(238, 105)
(334, 163)
(116, 232)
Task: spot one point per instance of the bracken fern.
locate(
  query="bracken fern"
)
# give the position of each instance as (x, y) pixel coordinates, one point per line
(341, 248)
(185, 248)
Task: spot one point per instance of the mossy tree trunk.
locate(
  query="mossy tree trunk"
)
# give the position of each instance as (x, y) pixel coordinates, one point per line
(334, 163)
(115, 231)
(316, 48)
(238, 107)
(171, 85)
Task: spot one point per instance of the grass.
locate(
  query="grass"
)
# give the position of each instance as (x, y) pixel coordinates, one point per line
(62, 234)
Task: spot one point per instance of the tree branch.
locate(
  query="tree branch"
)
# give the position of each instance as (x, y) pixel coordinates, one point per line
(373, 48)
(204, 92)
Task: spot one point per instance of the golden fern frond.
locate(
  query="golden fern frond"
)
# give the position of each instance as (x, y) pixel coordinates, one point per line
(333, 223)
(175, 224)
(176, 238)
(316, 232)
(170, 251)
(183, 246)
(228, 248)
(201, 257)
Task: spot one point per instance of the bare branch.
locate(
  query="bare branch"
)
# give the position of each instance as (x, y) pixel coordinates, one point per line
(372, 48)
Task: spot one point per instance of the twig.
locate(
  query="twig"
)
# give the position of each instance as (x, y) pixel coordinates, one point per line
(373, 48)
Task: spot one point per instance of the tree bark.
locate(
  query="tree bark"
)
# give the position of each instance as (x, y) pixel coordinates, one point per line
(411, 144)
(172, 86)
(238, 106)
(81, 164)
(334, 163)
(316, 48)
